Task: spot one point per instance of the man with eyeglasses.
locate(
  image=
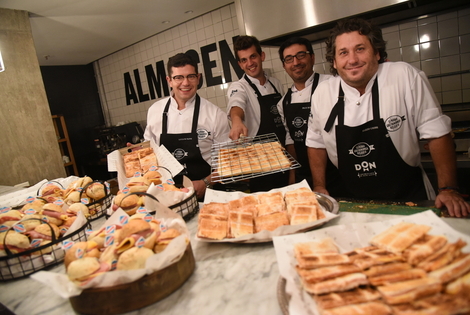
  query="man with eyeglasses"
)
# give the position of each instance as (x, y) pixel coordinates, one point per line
(252, 105)
(298, 59)
(186, 124)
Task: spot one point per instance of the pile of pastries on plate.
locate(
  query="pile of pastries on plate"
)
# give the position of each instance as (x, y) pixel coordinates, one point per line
(117, 247)
(254, 213)
(405, 270)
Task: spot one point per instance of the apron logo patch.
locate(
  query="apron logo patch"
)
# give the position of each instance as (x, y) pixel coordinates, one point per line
(202, 134)
(298, 122)
(233, 92)
(361, 149)
(366, 168)
(298, 134)
(179, 154)
(274, 110)
(393, 123)
(278, 120)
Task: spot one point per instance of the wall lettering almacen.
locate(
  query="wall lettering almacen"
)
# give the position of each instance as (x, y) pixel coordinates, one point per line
(156, 77)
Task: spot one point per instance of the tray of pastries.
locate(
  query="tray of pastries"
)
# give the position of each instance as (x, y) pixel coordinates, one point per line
(253, 218)
(250, 157)
(414, 265)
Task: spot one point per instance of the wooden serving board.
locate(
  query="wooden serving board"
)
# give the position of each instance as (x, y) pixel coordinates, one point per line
(383, 208)
(135, 295)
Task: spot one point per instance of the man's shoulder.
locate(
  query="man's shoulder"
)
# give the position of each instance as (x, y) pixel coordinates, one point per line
(209, 105)
(160, 103)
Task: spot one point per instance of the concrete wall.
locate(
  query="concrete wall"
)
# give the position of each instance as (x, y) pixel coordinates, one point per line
(29, 150)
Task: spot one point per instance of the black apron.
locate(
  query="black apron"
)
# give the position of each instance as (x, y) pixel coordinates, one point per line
(296, 116)
(270, 122)
(369, 162)
(185, 146)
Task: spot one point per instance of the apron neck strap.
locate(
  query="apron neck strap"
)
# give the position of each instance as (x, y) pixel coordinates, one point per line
(197, 106)
(253, 86)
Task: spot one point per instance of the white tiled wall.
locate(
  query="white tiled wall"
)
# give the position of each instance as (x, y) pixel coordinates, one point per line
(437, 44)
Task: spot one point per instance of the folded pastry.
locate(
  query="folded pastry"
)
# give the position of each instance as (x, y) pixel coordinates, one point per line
(374, 257)
(459, 284)
(240, 223)
(397, 277)
(322, 260)
(264, 209)
(423, 248)
(215, 208)
(375, 308)
(400, 236)
(212, 226)
(343, 283)
(271, 222)
(313, 248)
(380, 270)
(326, 273)
(354, 296)
(410, 290)
(442, 257)
(452, 271)
(249, 200)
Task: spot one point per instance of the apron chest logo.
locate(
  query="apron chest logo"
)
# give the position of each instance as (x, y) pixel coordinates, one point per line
(179, 154)
(361, 149)
(298, 122)
(299, 134)
(202, 134)
(274, 110)
(393, 123)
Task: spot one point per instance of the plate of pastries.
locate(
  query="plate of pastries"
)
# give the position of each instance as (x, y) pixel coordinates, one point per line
(415, 266)
(253, 218)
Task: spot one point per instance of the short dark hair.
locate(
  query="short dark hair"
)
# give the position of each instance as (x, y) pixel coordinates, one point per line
(368, 29)
(180, 60)
(295, 40)
(244, 42)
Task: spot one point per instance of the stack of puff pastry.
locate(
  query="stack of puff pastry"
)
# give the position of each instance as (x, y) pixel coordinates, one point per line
(404, 271)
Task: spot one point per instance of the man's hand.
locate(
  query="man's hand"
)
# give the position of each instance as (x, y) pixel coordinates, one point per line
(454, 203)
(321, 190)
(200, 188)
(238, 129)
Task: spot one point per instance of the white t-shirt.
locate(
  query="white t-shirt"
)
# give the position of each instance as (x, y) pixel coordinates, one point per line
(242, 95)
(211, 119)
(297, 96)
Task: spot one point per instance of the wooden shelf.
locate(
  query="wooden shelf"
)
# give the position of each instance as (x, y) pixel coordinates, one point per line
(64, 144)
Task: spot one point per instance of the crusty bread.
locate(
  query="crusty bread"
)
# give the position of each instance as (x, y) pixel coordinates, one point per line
(374, 257)
(424, 248)
(249, 200)
(397, 277)
(400, 236)
(410, 290)
(212, 226)
(375, 308)
(442, 257)
(322, 260)
(459, 284)
(270, 222)
(271, 198)
(452, 271)
(265, 209)
(355, 296)
(393, 267)
(313, 248)
(326, 273)
(240, 223)
(215, 208)
(338, 284)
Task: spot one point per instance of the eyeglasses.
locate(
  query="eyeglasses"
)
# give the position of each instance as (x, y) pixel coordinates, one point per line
(300, 55)
(180, 78)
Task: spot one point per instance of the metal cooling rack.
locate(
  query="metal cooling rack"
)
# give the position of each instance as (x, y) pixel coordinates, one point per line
(251, 162)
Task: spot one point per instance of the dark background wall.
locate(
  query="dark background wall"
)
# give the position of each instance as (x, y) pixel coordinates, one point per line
(73, 93)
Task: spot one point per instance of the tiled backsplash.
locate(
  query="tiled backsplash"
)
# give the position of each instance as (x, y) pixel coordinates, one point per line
(439, 45)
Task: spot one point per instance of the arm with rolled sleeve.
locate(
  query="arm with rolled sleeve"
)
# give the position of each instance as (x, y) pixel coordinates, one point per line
(236, 109)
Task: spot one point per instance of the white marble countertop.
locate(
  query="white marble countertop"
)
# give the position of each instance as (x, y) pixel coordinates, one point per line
(228, 279)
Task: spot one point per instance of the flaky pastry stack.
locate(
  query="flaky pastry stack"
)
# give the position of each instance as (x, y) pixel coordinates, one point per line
(139, 161)
(404, 271)
(255, 213)
(254, 158)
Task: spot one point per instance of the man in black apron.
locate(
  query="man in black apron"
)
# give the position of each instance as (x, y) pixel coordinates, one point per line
(252, 105)
(375, 120)
(298, 59)
(198, 122)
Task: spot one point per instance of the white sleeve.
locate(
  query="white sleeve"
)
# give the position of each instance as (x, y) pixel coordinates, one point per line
(237, 97)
